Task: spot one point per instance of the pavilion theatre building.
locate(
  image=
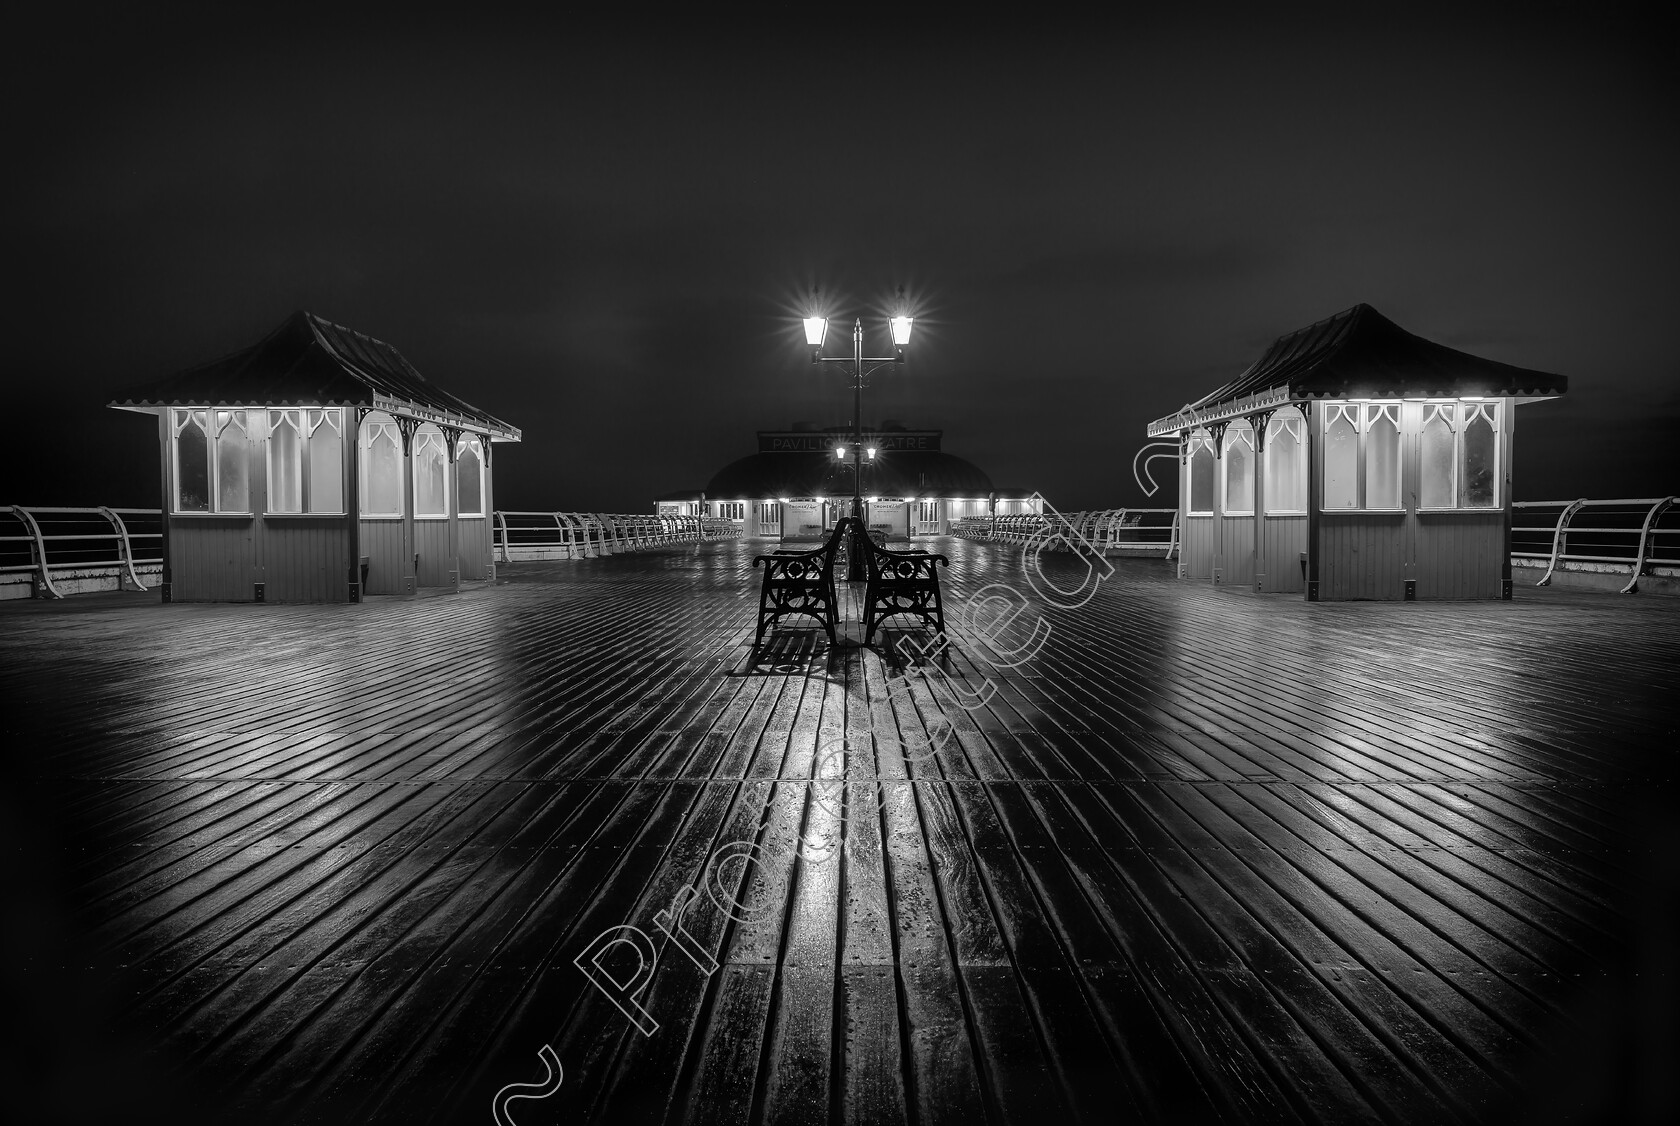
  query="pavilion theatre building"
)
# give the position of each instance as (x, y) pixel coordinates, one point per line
(317, 466)
(1354, 460)
(800, 482)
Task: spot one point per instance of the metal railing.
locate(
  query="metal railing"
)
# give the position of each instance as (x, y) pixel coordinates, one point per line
(53, 546)
(589, 535)
(1130, 531)
(1636, 534)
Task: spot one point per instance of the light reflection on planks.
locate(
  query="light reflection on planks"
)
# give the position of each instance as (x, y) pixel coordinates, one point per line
(1213, 856)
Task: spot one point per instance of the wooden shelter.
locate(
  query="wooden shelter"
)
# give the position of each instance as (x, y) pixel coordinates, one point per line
(315, 466)
(1354, 460)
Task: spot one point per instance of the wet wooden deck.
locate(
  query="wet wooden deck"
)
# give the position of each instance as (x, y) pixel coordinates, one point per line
(1212, 857)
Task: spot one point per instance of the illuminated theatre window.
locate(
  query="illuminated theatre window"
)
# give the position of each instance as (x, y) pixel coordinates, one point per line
(928, 510)
(1460, 455)
(212, 456)
(1237, 495)
(1201, 474)
(306, 461)
(1286, 463)
(732, 509)
(1362, 457)
(381, 466)
(431, 498)
(469, 475)
(769, 513)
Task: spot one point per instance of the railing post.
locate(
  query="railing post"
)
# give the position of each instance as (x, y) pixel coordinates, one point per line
(1558, 538)
(40, 549)
(1657, 510)
(123, 548)
(501, 521)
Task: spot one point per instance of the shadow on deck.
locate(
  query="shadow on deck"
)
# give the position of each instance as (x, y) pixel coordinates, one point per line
(1210, 857)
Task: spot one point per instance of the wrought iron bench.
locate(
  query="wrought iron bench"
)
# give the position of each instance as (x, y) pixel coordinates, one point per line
(901, 582)
(799, 582)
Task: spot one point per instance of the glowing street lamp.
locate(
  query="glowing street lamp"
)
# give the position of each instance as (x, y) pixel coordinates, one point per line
(816, 329)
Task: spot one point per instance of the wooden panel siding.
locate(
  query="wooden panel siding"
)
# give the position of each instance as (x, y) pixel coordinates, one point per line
(1235, 558)
(1460, 554)
(1197, 548)
(1285, 540)
(382, 544)
(475, 548)
(213, 558)
(431, 541)
(1201, 860)
(1363, 555)
(304, 558)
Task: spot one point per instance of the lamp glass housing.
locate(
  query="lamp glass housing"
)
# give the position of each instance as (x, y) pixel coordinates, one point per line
(815, 329)
(900, 330)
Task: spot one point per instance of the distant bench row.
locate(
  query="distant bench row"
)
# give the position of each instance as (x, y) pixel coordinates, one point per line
(588, 535)
(1134, 531)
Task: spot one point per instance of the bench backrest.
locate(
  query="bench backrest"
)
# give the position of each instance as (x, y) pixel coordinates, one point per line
(799, 567)
(903, 566)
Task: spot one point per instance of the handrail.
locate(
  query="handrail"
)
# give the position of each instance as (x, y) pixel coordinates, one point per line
(1107, 530)
(37, 523)
(1641, 552)
(1638, 542)
(126, 551)
(501, 521)
(1558, 539)
(1657, 510)
(40, 548)
(588, 535)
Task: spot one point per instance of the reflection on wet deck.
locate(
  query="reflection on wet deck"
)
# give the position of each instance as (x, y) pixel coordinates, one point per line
(1211, 856)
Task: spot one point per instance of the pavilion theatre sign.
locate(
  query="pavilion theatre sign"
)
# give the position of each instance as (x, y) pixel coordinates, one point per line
(806, 442)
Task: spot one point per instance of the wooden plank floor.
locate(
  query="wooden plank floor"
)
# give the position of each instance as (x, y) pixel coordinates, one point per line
(1211, 856)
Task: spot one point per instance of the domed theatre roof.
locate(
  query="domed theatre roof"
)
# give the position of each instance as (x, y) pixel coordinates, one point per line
(893, 473)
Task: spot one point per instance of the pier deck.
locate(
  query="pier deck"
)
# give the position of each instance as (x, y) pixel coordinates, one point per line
(1213, 856)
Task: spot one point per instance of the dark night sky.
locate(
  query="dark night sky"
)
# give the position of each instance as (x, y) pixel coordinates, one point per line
(603, 236)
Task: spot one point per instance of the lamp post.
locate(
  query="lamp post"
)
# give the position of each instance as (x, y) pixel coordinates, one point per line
(816, 328)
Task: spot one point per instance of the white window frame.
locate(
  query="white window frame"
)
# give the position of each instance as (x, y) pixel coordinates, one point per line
(1459, 414)
(1198, 439)
(212, 428)
(306, 428)
(1368, 415)
(1363, 413)
(276, 418)
(469, 438)
(426, 432)
(1291, 421)
(1468, 411)
(1242, 431)
(368, 431)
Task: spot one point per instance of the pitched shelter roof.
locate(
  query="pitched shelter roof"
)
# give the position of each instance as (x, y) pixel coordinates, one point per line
(309, 360)
(1358, 353)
